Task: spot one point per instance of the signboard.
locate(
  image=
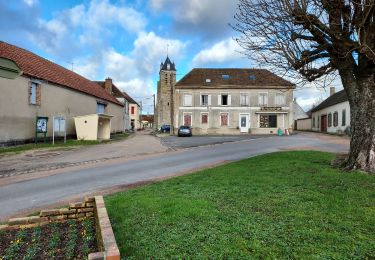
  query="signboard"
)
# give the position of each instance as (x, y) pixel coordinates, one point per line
(271, 108)
(41, 124)
(59, 126)
(41, 127)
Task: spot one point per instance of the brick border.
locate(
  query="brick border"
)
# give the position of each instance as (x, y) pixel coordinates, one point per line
(91, 206)
(104, 234)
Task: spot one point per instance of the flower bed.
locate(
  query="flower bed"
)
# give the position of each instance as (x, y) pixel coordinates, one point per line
(81, 231)
(65, 240)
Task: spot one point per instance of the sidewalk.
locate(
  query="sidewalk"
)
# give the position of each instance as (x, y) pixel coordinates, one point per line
(141, 143)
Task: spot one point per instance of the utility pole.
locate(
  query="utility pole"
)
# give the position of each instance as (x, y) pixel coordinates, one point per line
(154, 123)
(140, 115)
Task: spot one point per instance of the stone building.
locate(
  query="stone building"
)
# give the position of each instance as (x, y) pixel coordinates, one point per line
(165, 93)
(233, 101)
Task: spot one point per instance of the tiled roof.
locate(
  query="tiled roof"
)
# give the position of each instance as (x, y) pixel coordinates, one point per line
(149, 118)
(116, 92)
(37, 67)
(232, 78)
(128, 98)
(336, 98)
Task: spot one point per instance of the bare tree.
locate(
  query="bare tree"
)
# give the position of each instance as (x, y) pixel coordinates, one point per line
(313, 40)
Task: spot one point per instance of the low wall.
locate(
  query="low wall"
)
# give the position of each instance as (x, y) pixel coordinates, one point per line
(304, 124)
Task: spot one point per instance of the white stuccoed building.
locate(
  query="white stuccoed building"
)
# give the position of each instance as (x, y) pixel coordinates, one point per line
(333, 114)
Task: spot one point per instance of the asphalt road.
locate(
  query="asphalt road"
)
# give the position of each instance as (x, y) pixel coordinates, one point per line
(195, 141)
(41, 192)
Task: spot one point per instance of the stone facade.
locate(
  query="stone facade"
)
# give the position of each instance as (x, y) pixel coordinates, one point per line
(165, 93)
(215, 118)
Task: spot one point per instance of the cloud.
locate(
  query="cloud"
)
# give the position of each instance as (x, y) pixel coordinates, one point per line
(209, 17)
(30, 2)
(150, 49)
(133, 72)
(82, 29)
(222, 52)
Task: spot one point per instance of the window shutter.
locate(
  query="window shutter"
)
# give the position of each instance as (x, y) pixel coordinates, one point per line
(38, 95)
(229, 100)
(209, 100)
(200, 101)
(260, 99)
(219, 100)
(30, 91)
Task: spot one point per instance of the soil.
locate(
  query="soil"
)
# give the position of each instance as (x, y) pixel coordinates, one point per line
(7, 237)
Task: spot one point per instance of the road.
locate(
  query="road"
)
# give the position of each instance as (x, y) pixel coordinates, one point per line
(65, 184)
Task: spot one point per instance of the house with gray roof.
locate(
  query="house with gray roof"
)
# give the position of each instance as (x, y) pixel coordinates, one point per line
(333, 114)
(233, 101)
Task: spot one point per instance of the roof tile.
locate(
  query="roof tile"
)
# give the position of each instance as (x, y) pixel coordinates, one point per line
(232, 78)
(35, 66)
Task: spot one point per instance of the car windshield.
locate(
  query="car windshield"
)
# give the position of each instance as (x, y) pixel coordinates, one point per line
(184, 127)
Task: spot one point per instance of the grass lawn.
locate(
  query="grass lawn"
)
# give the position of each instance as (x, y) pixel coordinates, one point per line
(59, 144)
(280, 205)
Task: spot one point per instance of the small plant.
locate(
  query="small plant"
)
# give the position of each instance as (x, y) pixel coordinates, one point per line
(54, 241)
(87, 236)
(33, 249)
(72, 239)
(15, 245)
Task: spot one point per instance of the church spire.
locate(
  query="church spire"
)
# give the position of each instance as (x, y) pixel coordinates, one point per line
(168, 65)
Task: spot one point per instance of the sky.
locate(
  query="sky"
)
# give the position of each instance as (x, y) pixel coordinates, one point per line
(127, 40)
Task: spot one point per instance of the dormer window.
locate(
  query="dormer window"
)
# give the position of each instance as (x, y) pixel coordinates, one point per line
(208, 81)
(225, 76)
(168, 66)
(252, 77)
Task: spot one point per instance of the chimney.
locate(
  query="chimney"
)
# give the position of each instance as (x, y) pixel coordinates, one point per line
(332, 91)
(108, 85)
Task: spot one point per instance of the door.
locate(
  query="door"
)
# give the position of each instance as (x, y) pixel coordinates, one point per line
(323, 124)
(187, 119)
(244, 123)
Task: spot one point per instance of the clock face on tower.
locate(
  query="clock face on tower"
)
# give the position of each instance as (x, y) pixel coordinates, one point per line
(41, 125)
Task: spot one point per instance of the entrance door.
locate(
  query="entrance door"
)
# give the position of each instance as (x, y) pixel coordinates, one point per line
(323, 124)
(244, 123)
(187, 119)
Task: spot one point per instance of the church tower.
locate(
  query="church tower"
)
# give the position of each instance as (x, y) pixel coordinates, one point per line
(165, 94)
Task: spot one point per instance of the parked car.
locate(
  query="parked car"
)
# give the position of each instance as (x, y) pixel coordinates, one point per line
(185, 130)
(165, 128)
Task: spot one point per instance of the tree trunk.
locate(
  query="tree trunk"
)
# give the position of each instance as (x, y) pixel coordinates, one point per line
(362, 110)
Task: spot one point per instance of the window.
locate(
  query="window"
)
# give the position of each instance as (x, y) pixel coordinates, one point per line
(263, 99)
(204, 118)
(187, 119)
(225, 76)
(100, 108)
(224, 100)
(204, 100)
(343, 119)
(313, 121)
(34, 94)
(335, 119)
(268, 121)
(132, 110)
(329, 120)
(280, 99)
(208, 81)
(224, 119)
(244, 100)
(188, 100)
(252, 77)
